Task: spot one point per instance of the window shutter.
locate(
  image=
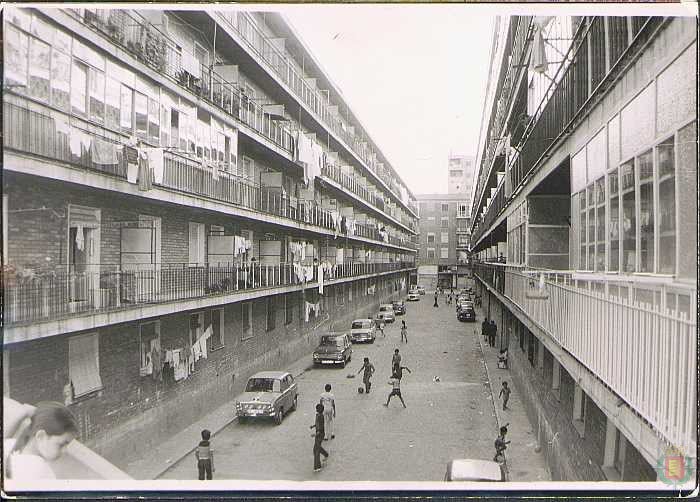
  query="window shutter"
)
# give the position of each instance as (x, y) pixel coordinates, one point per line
(84, 364)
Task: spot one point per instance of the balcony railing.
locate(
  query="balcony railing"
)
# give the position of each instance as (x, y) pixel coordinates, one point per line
(279, 63)
(151, 46)
(645, 355)
(61, 294)
(567, 98)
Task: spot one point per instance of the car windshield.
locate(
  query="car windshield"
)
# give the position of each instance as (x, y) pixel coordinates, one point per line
(331, 341)
(385, 308)
(398, 303)
(263, 385)
(360, 324)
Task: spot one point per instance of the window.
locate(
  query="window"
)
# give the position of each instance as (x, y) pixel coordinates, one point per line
(141, 115)
(629, 217)
(579, 415)
(196, 326)
(667, 207)
(431, 253)
(270, 308)
(645, 165)
(149, 339)
(431, 238)
(444, 253)
(339, 291)
(216, 340)
(455, 173)
(600, 224)
(246, 320)
(84, 364)
(431, 219)
(444, 222)
(288, 308)
(112, 103)
(445, 208)
(614, 232)
(153, 121)
(127, 105)
(196, 244)
(39, 69)
(16, 57)
(444, 238)
(78, 96)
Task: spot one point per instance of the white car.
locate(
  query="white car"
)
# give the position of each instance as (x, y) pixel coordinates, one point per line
(474, 470)
(413, 297)
(386, 311)
(362, 330)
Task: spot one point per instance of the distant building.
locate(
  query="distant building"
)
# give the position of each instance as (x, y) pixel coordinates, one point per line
(460, 174)
(444, 240)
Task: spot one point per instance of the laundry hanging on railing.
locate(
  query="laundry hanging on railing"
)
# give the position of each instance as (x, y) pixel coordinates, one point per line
(343, 225)
(298, 250)
(79, 238)
(131, 154)
(371, 290)
(351, 227)
(103, 152)
(306, 155)
(145, 174)
(319, 271)
(538, 59)
(311, 307)
(155, 160)
(335, 217)
(191, 64)
(382, 233)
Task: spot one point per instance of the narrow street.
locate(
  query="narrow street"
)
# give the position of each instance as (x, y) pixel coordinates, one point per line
(451, 418)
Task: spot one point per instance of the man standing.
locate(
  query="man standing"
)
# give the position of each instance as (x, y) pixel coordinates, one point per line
(485, 329)
(492, 333)
(318, 438)
(505, 392)
(328, 402)
(395, 383)
(435, 304)
(368, 372)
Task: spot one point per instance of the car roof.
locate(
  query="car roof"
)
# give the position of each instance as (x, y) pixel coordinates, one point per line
(270, 374)
(365, 319)
(466, 469)
(385, 305)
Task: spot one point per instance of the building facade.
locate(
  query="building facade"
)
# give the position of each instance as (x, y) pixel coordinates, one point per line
(460, 175)
(444, 240)
(186, 198)
(587, 189)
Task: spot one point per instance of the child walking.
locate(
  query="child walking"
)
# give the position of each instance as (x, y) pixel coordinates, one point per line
(318, 438)
(205, 456)
(404, 332)
(368, 369)
(505, 392)
(328, 402)
(501, 444)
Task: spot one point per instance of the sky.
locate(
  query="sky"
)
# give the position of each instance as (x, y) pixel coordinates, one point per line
(415, 76)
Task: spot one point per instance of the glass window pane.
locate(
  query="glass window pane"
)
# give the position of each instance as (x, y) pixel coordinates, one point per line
(60, 80)
(646, 212)
(112, 98)
(153, 121)
(629, 220)
(613, 264)
(126, 120)
(97, 95)
(591, 225)
(16, 56)
(78, 88)
(39, 69)
(141, 114)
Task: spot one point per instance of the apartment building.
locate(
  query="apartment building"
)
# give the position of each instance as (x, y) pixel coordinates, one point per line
(186, 197)
(461, 172)
(444, 240)
(587, 178)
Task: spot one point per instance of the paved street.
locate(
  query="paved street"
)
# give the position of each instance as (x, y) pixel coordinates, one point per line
(452, 418)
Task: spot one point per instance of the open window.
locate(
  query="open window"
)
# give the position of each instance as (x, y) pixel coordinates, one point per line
(84, 364)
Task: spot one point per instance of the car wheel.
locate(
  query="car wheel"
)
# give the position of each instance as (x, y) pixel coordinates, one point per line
(278, 416)
(294, 404)
(342, 365)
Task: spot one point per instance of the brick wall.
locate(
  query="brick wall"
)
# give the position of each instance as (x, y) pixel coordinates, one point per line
(133, 413)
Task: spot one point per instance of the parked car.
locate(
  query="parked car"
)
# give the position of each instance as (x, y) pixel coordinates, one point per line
(335, 348)
(268, 394)
(413, 297)
(386, 310)
(363, 330)
(421, 290)
(466, 314)
(399, 307)
(413, 290)
(474, 470)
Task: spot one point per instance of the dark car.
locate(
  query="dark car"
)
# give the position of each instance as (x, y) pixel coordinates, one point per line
(399, 307)
(466, 314)
(333, 349)
(268, 394)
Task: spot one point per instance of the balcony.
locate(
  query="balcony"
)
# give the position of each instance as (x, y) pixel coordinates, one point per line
(155, 49)
(335, 173)
(643, 354)
(37, 297)
(279, 63)
(578, 82)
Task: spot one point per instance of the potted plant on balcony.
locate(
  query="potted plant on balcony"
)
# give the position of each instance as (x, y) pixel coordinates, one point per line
(154, 50)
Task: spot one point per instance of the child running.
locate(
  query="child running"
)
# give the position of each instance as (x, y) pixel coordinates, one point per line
(395, 383)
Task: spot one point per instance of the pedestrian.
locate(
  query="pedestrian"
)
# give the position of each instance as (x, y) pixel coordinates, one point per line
(485, 329)
(368, 372)
(492, 333)
(395, 383)
(44, 433)
(501, 444)
(436, 297)
(328, 402)
(505, 392)
(397, 370)
(205, 456)
(379, 322)
(404, 332)
(318, 438)
(396, 358)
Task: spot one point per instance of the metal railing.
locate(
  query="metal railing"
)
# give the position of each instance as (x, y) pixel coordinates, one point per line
(104, 288)
(646, 355)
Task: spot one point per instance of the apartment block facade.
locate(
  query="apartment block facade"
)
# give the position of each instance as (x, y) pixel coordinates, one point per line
(587, 186)
(187, 199)
(444, 240)
(460, 174)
